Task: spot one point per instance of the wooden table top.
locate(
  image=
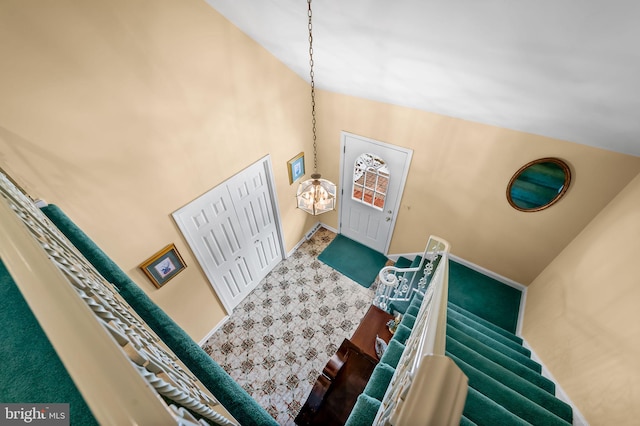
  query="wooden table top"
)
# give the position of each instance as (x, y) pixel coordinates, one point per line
(374, 323)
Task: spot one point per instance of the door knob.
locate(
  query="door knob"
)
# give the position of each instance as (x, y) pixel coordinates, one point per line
(388, 219)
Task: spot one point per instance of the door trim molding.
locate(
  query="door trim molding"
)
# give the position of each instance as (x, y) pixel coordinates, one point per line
(271, 182)
(409, 152)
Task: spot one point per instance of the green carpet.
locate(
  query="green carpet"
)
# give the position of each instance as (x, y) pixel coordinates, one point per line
(353, 260)
(31, 371)
(484, 296)
(505, 386)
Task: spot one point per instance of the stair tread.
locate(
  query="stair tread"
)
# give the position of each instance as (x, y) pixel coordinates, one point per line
(483, 411)
(484, 295)
(402, 262)
(506, 350)
(402, 306)
(506, 397)
(485, 322)
(501, 359)
(466, 422)
(509, 379)
(488, 332)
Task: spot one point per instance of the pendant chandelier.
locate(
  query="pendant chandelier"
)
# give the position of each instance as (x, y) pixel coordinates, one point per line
(315, 195)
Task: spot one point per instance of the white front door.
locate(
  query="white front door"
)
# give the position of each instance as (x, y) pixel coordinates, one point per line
(233, 232)
(372, 176)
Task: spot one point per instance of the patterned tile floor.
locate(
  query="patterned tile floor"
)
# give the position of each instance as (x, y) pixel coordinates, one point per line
(277, 341)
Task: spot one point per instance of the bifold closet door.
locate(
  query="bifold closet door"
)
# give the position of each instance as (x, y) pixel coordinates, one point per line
(233, 234)
(251, 199)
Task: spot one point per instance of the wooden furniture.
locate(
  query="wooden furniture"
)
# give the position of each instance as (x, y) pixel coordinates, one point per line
(373, 324)
(346, 374)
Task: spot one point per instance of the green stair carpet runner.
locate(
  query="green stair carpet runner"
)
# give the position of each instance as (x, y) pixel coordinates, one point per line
(232, 396)
(505, 384)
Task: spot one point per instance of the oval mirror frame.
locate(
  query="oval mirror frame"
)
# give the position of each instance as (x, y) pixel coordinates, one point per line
(544, 181)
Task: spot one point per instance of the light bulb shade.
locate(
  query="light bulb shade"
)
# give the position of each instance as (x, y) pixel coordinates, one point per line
(316, 196)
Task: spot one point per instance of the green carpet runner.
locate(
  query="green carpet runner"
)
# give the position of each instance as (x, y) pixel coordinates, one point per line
(505, 385)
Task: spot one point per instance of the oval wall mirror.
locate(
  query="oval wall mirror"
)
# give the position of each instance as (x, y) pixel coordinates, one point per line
(538, 184)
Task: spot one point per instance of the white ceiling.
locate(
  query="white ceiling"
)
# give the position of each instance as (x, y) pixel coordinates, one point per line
(568, 69)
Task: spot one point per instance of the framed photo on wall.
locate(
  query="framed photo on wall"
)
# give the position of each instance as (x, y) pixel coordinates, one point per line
(163, 266)
(295, 166)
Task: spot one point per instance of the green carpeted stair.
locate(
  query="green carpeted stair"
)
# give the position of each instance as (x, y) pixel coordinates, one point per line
(403, 262)
(232, 396)
(505, 384)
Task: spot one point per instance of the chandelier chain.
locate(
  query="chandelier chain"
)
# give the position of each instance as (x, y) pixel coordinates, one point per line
(313, 90)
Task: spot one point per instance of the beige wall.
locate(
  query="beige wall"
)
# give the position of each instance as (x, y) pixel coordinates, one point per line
(457, 182)
(122, 112)
(582, 315)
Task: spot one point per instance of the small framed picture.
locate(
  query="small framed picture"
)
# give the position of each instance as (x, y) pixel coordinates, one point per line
(296, 168)
(164, 265)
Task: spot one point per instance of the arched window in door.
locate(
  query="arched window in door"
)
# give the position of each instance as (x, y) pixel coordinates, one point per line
(370, 180)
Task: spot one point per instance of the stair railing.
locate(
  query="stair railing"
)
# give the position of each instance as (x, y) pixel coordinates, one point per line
(119, 365)
(427, 387)
(399, 284)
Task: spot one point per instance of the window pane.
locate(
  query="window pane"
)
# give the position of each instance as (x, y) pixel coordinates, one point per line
(383, 183)
(357, 192)
(379, 201)
(370, 180)
(368, 196)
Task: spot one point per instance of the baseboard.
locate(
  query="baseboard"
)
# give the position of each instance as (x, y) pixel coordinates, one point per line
(469, 265)
(309, 234)
(491, 274)
(578, 418)
(523, 303)
(216, 328)
(330, 228)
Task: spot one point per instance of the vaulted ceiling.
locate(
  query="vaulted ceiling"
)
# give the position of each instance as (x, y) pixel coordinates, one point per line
(567, 69)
